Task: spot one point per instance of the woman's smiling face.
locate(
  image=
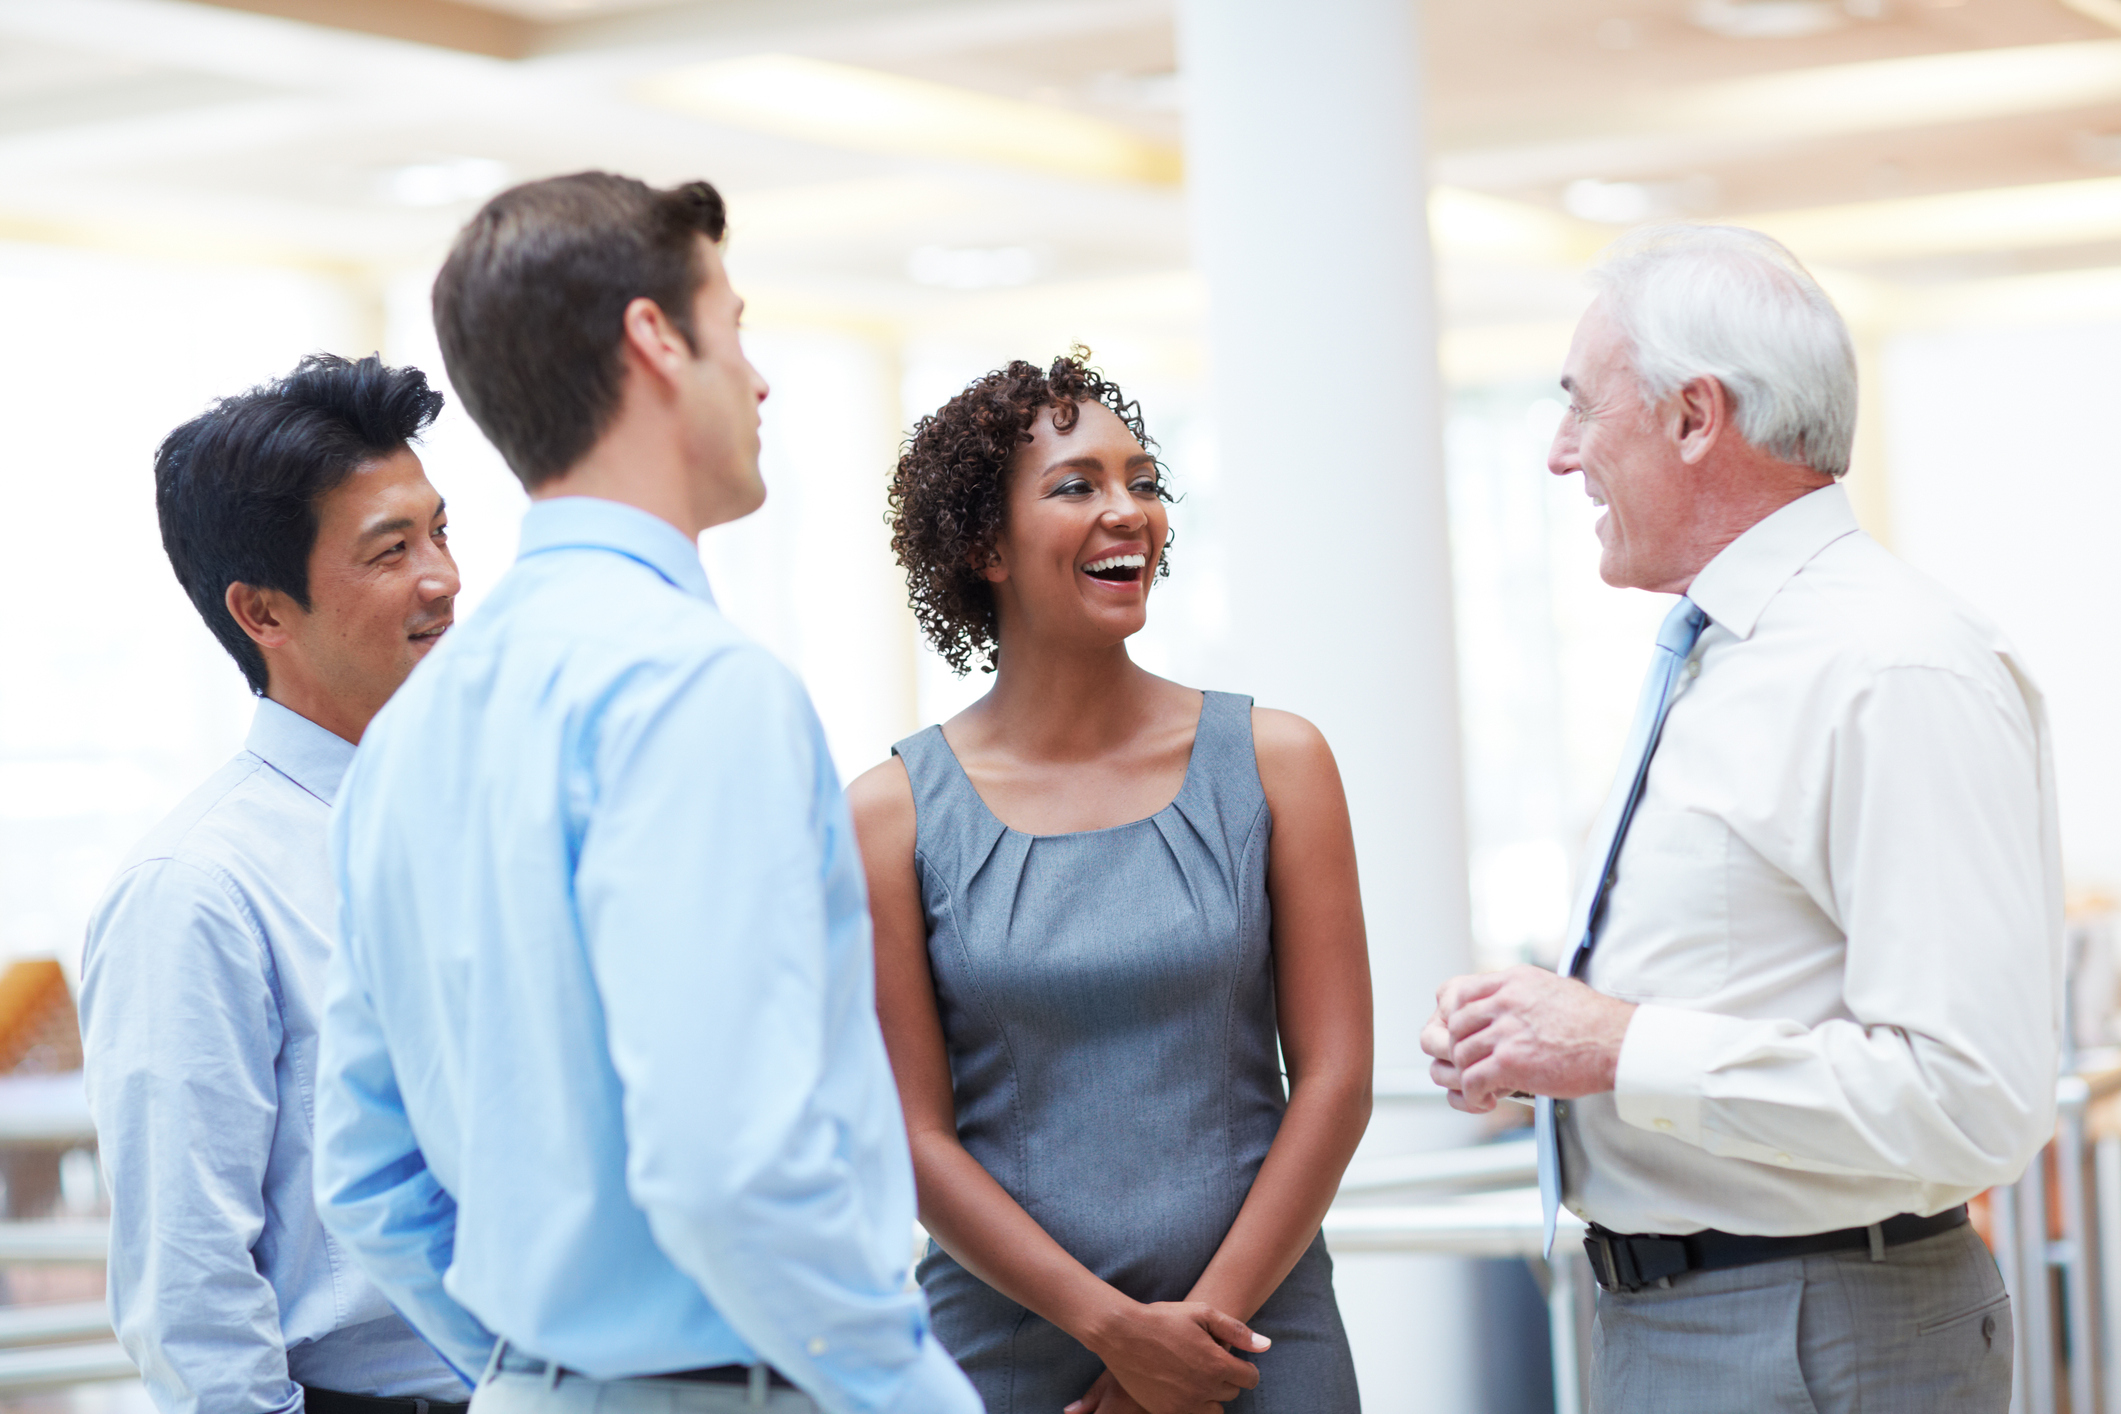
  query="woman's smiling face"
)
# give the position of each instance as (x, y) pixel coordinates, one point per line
(1083, 533)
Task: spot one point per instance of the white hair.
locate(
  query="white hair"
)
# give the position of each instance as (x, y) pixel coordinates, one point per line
(1734, 305)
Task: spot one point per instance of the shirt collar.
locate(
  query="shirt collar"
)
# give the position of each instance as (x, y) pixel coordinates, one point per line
(591, 523)
(299, 749)
(1735, 587)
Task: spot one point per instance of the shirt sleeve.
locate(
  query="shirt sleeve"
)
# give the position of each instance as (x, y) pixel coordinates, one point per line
(1940, 846)
(180, 1027)
(703, 887)
(373, 1187)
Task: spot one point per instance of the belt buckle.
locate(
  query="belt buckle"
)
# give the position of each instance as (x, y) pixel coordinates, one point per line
(1604, 1270)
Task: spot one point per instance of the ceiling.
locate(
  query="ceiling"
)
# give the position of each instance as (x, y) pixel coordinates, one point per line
(904, 162)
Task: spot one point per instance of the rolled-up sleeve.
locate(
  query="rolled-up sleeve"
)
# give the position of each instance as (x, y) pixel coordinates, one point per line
(180, 1029)
(703, 885)
(1939, 847)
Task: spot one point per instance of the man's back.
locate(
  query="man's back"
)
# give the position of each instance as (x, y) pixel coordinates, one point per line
(605, 915)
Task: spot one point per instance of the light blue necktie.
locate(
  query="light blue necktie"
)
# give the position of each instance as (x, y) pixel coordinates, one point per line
(1675, 641)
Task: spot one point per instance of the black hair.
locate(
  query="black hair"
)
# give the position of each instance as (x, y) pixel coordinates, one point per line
(950, 490)
(237, 487)
(530, 306)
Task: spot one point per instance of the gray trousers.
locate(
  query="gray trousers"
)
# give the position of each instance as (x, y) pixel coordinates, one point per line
(1926, 1331)
(504, 1392)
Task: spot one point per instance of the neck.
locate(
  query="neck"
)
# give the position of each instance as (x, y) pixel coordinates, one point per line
(1745, 496)
(639, 462)
(1065, 703)
(342, 719)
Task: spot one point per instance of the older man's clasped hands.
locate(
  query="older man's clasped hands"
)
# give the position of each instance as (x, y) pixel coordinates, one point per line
(1522, 1031)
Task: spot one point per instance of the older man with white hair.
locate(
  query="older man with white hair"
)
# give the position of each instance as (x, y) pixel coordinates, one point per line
(1812, 992)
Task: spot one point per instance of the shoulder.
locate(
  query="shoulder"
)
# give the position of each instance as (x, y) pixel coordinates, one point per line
(881, 801)
(1287, 745)
(1870, 612)
(171, 923)
(209, 827)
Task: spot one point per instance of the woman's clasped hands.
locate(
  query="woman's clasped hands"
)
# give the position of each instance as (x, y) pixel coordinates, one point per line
(1170, 1357)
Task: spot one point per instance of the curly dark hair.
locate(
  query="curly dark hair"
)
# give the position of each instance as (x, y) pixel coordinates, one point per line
(950, 490)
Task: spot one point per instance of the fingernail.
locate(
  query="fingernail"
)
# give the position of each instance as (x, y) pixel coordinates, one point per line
(1260, 1342)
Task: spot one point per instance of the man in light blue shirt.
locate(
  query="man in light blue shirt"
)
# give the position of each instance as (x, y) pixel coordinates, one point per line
(604, 1106)
(301, 525)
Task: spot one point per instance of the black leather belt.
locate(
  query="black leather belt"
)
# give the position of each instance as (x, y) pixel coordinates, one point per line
(514, 1362)
(332, 1401)
(1622, 1262)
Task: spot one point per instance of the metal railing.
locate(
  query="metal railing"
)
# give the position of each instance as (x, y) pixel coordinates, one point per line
(2061, 1261)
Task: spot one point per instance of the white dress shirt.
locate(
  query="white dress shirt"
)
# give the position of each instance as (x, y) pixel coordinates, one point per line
(202, 985)
(1839, 908)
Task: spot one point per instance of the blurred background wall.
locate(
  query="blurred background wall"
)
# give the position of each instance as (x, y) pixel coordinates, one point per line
(193, 195)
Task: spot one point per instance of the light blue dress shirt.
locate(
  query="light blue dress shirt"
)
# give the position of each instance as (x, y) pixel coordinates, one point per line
(602, 1073)
(202, 984)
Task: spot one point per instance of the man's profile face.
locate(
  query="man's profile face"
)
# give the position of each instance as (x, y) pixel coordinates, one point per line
(382, 583)
(723, 399)
(1629, 460)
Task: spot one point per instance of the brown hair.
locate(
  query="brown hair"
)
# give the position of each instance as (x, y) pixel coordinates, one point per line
(950, 490)
(529, 305)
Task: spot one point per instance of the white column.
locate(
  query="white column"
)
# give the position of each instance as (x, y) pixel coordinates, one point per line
(1306, 165)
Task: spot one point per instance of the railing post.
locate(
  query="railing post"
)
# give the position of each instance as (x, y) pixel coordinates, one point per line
(2033, 1305)
(1565, 1275)
(2106, 1182)
(2003, 1237)
(2079, 1254)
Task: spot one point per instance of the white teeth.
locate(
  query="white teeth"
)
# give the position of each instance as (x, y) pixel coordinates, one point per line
(1115, 562)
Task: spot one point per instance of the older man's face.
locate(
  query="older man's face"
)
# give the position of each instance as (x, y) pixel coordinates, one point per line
(1630, 463)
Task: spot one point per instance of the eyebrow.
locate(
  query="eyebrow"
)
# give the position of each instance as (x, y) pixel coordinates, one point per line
(1092, 460)
(398, 523)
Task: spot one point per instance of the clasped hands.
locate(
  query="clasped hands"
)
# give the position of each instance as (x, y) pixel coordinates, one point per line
(1170, 1357)
(1523, 1030)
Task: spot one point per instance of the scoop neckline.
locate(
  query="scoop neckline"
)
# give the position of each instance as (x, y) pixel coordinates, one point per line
(1185, 781)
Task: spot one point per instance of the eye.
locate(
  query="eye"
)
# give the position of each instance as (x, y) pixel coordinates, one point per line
(1073, 486)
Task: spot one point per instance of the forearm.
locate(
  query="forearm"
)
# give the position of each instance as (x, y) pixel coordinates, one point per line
(974, 1219)
(1840, 1097)
(1288, 1201)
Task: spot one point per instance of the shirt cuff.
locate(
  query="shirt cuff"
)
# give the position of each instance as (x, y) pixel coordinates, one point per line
(1664, 1059)
(934, 1384)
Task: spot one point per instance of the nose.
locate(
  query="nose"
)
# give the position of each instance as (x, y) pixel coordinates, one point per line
(1564, 454)
(439, 578)
(1122, 511)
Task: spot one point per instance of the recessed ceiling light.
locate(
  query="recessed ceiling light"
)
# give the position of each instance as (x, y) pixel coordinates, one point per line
(1768, 19)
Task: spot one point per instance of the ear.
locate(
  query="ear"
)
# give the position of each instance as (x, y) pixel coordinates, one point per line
(1699, 417)
(988, 566)
(266, 615)
(650, 338)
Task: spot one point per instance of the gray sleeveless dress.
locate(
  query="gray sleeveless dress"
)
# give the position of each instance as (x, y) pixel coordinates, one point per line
(1108, 1003)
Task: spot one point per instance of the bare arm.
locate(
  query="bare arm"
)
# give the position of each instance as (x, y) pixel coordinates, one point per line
(1322, 996)
(1169, 1355)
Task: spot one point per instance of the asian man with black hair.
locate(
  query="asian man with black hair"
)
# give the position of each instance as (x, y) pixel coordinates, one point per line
(302, 527)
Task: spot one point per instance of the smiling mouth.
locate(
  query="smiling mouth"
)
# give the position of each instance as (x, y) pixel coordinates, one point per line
(430, 635)
(1117, 569)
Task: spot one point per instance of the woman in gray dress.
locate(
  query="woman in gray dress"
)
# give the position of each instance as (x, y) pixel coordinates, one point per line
(1108, 910)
